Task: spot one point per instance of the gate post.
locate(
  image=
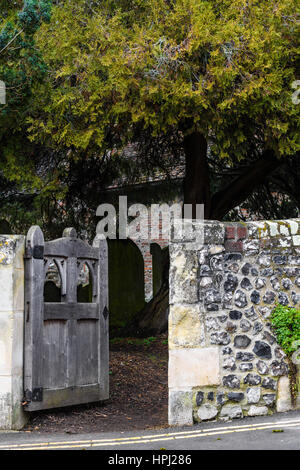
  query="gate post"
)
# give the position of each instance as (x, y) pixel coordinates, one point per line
(101, 243)
(12, 415)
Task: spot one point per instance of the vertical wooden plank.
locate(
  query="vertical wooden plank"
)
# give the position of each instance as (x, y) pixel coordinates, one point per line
(55, 355)
(71, 297)
(102, 298)
(34, 303)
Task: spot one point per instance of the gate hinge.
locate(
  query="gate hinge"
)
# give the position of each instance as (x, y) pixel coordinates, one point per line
(105, 312)
(37, 252)
(35, 395)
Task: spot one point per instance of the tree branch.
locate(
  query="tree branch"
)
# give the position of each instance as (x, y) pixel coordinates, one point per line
(240, 188)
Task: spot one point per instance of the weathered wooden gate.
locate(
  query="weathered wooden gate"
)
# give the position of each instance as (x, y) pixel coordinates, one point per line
(66, 343)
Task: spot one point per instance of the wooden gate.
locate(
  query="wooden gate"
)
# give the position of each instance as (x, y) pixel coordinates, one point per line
(66, 343)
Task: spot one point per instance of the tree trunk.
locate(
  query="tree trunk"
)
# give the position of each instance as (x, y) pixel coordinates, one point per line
(240, 188)
(152, 320)
(197, 179)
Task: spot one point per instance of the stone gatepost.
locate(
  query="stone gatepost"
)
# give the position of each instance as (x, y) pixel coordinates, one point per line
(12, 415)
(193, 363)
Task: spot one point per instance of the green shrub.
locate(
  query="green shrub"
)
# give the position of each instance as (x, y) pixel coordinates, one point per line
(286, 324)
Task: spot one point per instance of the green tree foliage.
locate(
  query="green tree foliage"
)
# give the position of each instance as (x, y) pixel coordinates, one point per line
(168, 75)
(21, 65)
(217, 71)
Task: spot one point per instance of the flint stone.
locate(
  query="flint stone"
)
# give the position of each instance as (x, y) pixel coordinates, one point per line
(241, 341)
(269, 297)
(230, 327)
(199, 398)
(246, 269)
(246, 284)
(212, 324)
(246, 366)
(233, 267)
(235, 315)
(244, 356)
(286, 283)
(250, 313)
(269, 383)
(253, 395)
(227, 350)
(206, 412)
(255, 297)
(264, 260)
(231, 381)
(257, 410)
(278, 259)
(229, 363)
(279, 354)
(262, 350)
(267, 272)
(257, 327)
(220, 338)
(260, 283)
(231, 412)
(264, 311)
(212, 296)
(221, 398)
(206, 282)
(279, 368)
(216, 262)
(251, 247)
(275, 283)
(235, 396)
(269, 399)
(222, 318)
(240, 299)
(283, 298)
(295, 298)
(245, 325)
(205, 271)
(252, 379)
(231, 283)
(270, 338)
(233, 257)
(212, 307)
(262, 367)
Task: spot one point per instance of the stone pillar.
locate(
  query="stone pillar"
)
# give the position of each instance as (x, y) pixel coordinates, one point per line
(193, 363)
(12, 415)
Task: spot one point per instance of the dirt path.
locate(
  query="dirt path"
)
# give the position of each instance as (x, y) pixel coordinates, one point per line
(138, 393)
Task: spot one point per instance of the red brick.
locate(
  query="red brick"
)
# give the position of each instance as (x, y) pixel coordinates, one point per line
(234, 246)
(230, 232)
(241, 233)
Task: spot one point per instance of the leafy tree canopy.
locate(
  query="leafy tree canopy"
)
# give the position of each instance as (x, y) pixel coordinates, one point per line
(21, 65)
(223, 68)
(169, 75)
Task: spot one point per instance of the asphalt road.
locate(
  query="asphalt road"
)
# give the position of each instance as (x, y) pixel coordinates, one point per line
(277, 432)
